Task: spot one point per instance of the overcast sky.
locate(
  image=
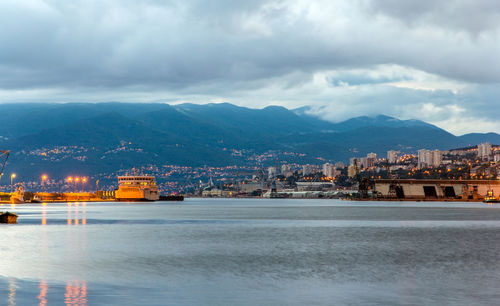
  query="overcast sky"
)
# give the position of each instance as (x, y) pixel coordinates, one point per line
(438, 61)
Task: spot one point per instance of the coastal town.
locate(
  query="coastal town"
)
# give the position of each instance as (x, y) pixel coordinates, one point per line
(271, 174)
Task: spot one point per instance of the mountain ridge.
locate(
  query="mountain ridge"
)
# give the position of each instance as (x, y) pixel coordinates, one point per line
(124, 135)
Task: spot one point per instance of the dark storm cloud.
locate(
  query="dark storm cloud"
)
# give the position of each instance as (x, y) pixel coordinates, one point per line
(473, 17)
(179, 44)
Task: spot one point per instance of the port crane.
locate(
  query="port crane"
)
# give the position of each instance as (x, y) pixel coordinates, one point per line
(4, 155)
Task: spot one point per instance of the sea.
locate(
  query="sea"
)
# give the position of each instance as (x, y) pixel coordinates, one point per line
(251, 252)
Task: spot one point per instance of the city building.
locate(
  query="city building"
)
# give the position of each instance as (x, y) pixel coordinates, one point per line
(285, 168)
(392, 156)
(429, 158)
(328, 170)
(371, 159)
(496, 157)
(352, 171)
(271, 172)
(484, 150)
(307, 169)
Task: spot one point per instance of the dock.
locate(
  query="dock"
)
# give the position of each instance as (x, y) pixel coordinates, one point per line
(434, 190)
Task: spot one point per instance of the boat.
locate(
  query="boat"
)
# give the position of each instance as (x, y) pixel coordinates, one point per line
(137, 188)
(17, 197)
(490, 198)
(8, 217)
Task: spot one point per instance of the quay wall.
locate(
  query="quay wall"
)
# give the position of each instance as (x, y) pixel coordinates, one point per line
(426, 189)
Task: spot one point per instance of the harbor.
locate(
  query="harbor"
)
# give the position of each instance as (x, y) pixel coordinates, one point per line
(130, 189)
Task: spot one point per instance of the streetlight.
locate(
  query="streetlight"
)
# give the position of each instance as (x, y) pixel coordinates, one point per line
(84, 180)
(12, 177)
(77, 179)
(44, 178)
(69, 179)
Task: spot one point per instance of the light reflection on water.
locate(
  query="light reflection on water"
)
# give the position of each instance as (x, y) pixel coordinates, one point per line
(12, 292)
(251, 252)
(42, 296)
(76, 293)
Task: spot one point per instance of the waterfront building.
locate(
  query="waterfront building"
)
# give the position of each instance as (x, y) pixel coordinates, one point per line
(435, 189)
(249, 187)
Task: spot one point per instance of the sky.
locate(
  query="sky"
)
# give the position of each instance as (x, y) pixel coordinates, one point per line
(438, 61)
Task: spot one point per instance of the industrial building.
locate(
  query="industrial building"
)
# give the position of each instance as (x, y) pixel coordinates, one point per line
(413, 189)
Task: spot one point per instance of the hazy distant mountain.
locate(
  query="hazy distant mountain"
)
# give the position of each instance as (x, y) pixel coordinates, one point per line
(473, 139)
(366, 121)
(110, 136)
(380, 121)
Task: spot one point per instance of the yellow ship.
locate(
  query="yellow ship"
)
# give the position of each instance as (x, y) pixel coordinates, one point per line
(137, 188)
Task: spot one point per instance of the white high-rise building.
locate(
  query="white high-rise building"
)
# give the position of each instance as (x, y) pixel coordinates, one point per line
(352, 170)
(285, 168)
(271, 172)
(307, 169)
(496, 158)
(371, 159)
(363, 163)
(484, 150)
(392, 156)
(328, 170)
(428, 158)
(437, 157)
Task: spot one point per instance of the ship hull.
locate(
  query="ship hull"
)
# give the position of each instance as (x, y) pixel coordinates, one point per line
(133, 200)
(8, 218)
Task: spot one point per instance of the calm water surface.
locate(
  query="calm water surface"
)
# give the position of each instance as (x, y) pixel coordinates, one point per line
(264, 252)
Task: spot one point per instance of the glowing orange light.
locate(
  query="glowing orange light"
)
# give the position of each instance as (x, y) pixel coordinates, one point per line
(76, 293)
(44, 287)
(77, 179)
(44, 177)
(70, 179)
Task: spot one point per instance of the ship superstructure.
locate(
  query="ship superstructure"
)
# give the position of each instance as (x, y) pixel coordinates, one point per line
(137, 188)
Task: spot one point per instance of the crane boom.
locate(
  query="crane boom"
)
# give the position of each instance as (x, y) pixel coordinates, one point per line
(4, 155)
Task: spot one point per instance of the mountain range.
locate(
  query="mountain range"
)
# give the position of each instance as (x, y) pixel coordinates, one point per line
(100, 137)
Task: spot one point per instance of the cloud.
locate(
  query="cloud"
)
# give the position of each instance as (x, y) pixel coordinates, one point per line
(473, 17)
(354, 57)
